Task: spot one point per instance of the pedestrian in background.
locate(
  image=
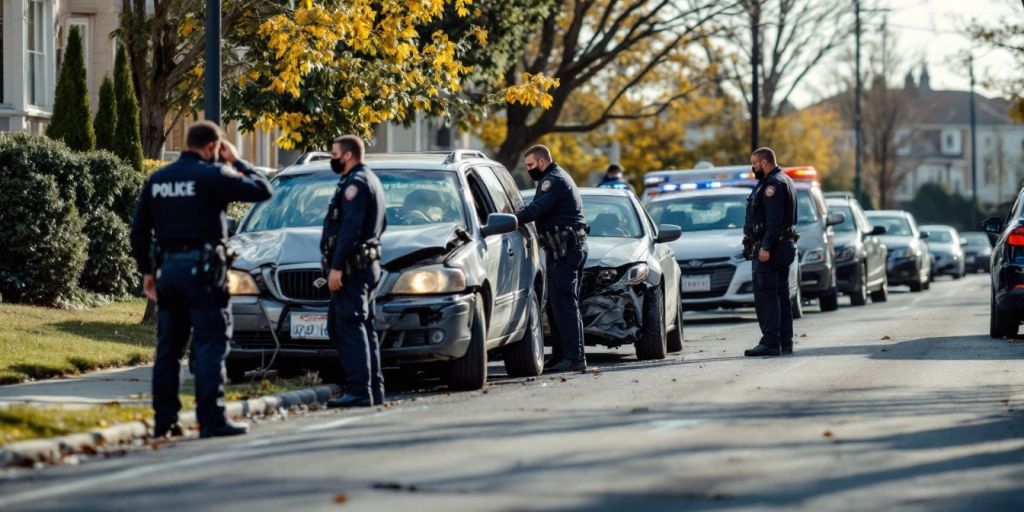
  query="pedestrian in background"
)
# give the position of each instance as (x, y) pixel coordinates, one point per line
(614, 177)
(770, 243)
(179, 241)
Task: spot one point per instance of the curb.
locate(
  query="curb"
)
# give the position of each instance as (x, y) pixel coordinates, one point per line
(52, 450)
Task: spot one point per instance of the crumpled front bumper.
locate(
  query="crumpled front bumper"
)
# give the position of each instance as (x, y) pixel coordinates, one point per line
(612, 315)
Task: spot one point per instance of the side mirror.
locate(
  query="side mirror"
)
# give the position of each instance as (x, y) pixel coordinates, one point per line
(992, 225)
(232, 226)
(924, 236)
(668, 233)
(877, 230)
(963, 243)
(499, 224)
(835, 218)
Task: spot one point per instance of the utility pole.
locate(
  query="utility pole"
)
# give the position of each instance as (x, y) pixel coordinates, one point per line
(755, 21)
(211, 71)
(858, 88)
(974, 151)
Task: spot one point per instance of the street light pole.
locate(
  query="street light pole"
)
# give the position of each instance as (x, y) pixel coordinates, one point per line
(211, 71)
(974, 152)
(755, 21)
(858, 142)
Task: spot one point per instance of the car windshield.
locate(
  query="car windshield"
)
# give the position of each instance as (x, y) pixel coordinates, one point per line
(611, 216)
(976, 239)
(893, 225)
(412, 198)
(848, 225)
(941, 236)
(701, 213)
(806, 213)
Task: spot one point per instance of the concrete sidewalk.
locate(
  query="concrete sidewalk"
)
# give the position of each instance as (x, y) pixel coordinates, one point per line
(122, 385)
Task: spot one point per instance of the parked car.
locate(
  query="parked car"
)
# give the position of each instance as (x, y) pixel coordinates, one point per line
(713, 272)
(977, 252)
(460, 278)
(860, 254)
(1007, 271)
(909, 262)
(946, 249)
(816, 247)
(630, 289)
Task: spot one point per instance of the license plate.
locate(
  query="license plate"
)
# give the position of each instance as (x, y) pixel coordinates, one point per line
(697, 283)
(309, 326)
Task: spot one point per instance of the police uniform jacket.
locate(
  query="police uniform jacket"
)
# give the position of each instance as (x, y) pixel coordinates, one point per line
(184, 204)
(775, 206)
(356, 215)
(556, 203)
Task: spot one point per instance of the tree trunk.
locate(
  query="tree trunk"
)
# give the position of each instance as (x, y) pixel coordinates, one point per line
(154, 117)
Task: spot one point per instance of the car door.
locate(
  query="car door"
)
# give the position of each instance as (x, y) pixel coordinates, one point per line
(663, 254)
(495, 257)
(876, 253)
(522, 242)
(506, 281)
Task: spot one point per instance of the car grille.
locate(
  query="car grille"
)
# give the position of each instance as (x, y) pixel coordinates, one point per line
(410, 338)
(253, 339)
(721, 276)
(298, 285)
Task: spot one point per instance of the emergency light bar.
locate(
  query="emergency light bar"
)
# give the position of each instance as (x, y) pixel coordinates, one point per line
(802, 173)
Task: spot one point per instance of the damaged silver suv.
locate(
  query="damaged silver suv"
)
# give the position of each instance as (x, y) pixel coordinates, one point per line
(460, 278)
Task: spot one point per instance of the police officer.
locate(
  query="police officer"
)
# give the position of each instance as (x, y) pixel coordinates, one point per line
(179, 239)
(350, 245)
(613, 178)
(558, 212)
(771, 237)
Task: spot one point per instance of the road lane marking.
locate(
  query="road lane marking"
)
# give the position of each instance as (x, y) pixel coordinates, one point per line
(909, 305)
(666, 425)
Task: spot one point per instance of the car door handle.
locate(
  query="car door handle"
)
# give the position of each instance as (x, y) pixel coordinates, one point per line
(511, 252)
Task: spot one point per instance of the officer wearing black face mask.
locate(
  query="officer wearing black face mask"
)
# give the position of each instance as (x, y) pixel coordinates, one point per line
(350, 245)
(178, 240)
(558, 212)
(770, 243)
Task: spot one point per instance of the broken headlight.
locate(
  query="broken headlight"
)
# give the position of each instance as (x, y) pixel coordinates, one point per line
(241, 283)
(430, 280)
(636, 273)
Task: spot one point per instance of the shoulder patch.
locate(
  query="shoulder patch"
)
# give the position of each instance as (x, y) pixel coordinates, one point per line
(769, 191)
(545, 185)
(351, 192)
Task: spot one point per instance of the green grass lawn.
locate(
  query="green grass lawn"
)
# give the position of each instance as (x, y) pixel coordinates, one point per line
(40, 343)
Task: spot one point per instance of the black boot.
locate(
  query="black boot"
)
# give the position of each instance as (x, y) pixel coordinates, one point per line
(763, 350)
(567, 365)
(347, 400)
(787, 348)
(170, 430)
(228, 428)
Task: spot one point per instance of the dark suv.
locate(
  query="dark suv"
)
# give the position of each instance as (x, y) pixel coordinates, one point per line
(860, 253)
(460, 277)
(1007, 272)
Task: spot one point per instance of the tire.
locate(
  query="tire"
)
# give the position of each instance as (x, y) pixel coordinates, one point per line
(469, 372)
(917, 286)
(797, 304)
(1002, 325)
(675, 337)
(881, 294)
(526, 357)
(860, 296)
(829, 301)
(652, 341)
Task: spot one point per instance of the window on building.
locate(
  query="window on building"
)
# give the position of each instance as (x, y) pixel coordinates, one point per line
(36, 54)
(949, 140)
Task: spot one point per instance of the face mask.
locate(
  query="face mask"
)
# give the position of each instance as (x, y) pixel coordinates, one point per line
(535, 174)
(337, 166)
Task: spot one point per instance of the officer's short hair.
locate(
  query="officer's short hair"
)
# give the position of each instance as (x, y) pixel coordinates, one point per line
(613, 168)
(765, 153)
(352, 144)
(539, 151)
(202, 134)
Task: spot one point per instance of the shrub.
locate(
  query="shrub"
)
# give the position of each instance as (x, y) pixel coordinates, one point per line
(106, 116)
(43, 251)
(40, 155)
(71, 121)
(110, 269)
(127, 139)
(116, 185)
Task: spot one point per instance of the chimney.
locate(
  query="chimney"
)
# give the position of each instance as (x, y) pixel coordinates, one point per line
(908, 82)
(925, 81)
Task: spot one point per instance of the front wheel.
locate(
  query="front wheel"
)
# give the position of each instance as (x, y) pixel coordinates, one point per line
(881, 294)
(829, 301)
(469, 372)
(675, 338)
(526, 358)
(860, 296)
(652, 342)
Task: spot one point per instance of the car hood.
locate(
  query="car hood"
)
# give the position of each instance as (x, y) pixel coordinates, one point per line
(896, 241)
(302, 245)
(708, 244)
(845, 239)
(607, 252)
(943, 248)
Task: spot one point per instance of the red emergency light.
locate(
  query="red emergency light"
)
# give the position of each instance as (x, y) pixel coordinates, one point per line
(802, 173)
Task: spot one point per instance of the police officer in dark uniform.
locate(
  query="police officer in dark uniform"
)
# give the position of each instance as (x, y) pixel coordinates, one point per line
(558, 212)
(770, 242)
(614, 178)
(350, 246)
(179, 237)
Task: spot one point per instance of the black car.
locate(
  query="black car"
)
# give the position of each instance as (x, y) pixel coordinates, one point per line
(909, 261)
(977, 252)
(460, 278)
(860, 254)
(1007, 272)
(630, 290)
(816, 247)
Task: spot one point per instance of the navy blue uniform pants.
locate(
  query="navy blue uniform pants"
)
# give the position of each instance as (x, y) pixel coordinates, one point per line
(187, 307)
(350, 327)
(771, 296)
(564, 280)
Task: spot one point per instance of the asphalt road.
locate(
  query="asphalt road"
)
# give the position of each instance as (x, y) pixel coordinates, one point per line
(907, 405)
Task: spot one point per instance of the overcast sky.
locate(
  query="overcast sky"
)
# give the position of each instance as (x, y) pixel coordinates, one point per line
(930, 31)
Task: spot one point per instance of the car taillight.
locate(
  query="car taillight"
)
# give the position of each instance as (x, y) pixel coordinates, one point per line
(1016, 237)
